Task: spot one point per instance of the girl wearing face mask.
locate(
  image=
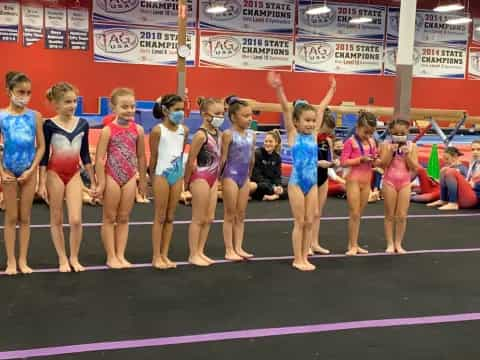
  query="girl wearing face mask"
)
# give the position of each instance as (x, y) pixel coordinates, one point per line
(66, 142)
(359, 156)
(399, 159)
(238, 148)
(167, 142)
(266, 181)
(122, 143)
(201, 175)
(23, 148)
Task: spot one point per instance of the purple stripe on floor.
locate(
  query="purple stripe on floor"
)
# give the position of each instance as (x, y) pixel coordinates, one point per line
(276, 258)
(267, 220)
(235, 335)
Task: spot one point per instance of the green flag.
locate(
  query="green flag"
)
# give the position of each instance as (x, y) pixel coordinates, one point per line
(433, 168)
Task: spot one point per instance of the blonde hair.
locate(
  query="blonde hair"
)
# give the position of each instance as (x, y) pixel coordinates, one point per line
(204, 102)
(58, 91)
(117, 92)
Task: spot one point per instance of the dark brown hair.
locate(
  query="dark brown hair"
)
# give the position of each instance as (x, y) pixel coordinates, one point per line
(166, 103)
(366, 119)
(275, 133)
(13, 78)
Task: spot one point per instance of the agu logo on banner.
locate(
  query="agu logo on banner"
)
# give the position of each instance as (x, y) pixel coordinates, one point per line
(320, 20)
(117, 6)
(221, 47)
(116, 41)
(316, 52)
(234, 9)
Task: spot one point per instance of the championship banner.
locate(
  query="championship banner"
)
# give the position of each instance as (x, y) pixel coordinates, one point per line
(258, 16)
(338, 56)
(474, 64)
(243, 51)
(335, 24)
(56, 28)
(135, 45)
(476, 30)
(430, 27)
(78, 29)
(434, 61)
(142, 12)
(9, 20)
(32, 22)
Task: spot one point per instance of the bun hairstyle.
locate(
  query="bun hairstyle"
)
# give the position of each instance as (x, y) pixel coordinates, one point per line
(275, 133)
(366, 119)
(299, 107)
(116, 93)
(58, 91)
(204, 103)
(234, 105)
(165, 103)
(328, 119)
(13, 78)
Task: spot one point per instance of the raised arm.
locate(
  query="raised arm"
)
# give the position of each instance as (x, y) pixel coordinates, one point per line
(325, 102)
(276, 83)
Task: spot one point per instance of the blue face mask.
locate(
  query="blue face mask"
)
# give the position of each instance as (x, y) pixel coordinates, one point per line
(177, 116)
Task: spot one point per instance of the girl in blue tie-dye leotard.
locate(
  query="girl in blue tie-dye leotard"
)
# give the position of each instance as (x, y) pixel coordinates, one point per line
(302, 126)
(22, 134)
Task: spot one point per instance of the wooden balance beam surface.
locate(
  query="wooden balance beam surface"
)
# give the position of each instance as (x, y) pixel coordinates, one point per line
(416, 113)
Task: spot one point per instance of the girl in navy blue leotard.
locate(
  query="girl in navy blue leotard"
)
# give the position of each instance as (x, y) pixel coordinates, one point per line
(22, 135)
(66, 140)
(302, 126)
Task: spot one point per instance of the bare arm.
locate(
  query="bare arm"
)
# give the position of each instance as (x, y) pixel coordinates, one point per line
(252, 156)
(154, 140)
(326, 101)
(412, 158)
(386, 155)
(142, 160)
(197, 143)
(100, 159)
(226, 140)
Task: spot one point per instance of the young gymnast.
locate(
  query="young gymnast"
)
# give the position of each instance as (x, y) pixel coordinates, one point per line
(266, 181)
(399, 159)
(122, 143)
(23, 148)
(302, 126)
(66, 143)
(167, 142)
(238, 148)
(359, 155)
(336, 184)
(201, 178)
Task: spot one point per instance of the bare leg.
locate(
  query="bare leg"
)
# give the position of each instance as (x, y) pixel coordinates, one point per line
(73, 196)
(403, 203)
(311, 208)
(230, 197)
(297, 204)
(353, 200)
(364, 193)
(211, 216)
(127, 200)
(391, 198)
(27, 192)
(110, 210)
(239, 224)
(10, 230)
(175, 191)
(322, 199)
(161, 191)
(200, 199)
(56, 196)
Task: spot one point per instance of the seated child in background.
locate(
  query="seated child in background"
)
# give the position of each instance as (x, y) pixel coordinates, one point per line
(336, 182)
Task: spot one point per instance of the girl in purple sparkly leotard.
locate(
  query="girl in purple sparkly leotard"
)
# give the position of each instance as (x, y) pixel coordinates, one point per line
(238, 148)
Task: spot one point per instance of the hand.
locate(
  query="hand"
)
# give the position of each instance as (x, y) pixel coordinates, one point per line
(365, 159)
(8, 177)
(142, 188)
(324, 164)
(404, 149)
(394, 147)
(25, 176)
(336, 163)
(93, 192)
(333, 81)
(274, 80)
(42, 191)
(100, 191)
(186, 186)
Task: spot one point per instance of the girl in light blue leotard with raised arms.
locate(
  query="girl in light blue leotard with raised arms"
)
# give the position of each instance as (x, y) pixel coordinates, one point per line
(167, 141)
(302, 126)
(23, 148)
(238, 149)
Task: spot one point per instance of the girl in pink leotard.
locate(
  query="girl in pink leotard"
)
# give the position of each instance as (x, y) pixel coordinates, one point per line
(399, 159)
(359, 155)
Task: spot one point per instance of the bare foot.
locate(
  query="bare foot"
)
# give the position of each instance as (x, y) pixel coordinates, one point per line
(114, 263)
(436, 203)
(310, 252)
(390, 249)
(207, 259)
(309, 266)
(271, 197)
(449, 206)
(64, 267)
(158, 263)
(320, 250)
(400, 250)
(352, 252)
(198, 261)
(77, 267)
(124, 262)
(299, 265)
(361, 250)
(244, 254)
(170, 263)
(24, 268)
(233, 256)
(11, 268)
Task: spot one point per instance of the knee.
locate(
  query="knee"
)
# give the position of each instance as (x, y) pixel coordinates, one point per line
(11, 219)
(169, 219)
(389, 217)
(229, 216)
(56, 217)
(75, 222)
(355, 216)
(308, 222)
(401, 218)
(240, 217)
(299, 222)
(109, 218)
(122, 218)
(24, 220)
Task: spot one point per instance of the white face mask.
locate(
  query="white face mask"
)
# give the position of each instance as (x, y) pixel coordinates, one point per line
(20, 101)
(217, 121)
(399, 139)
